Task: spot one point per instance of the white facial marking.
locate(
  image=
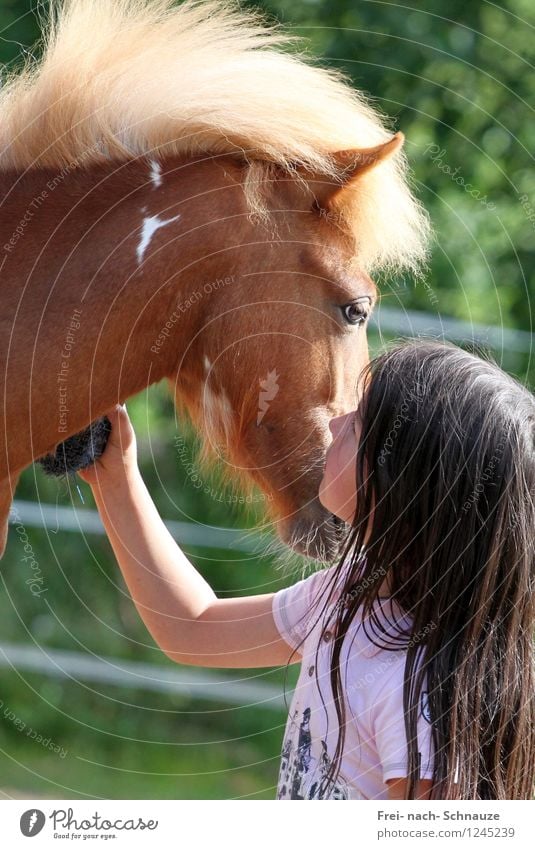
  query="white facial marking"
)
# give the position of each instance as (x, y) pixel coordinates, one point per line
(150, 225)
(217, 409)
(155, 173)
(225, 412)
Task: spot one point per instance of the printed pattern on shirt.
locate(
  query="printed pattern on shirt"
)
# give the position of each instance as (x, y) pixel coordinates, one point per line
(302, 766)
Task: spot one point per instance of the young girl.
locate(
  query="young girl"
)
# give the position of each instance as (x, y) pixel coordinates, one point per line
(416, 648)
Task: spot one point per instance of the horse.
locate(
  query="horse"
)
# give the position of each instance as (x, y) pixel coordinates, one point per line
(185, 196)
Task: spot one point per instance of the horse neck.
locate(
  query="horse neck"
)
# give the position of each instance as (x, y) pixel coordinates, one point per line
(118, 247)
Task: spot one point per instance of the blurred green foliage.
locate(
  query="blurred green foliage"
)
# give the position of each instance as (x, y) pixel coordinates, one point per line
(457, 78)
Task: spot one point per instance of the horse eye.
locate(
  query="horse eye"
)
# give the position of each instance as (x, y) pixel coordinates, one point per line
(357, 312)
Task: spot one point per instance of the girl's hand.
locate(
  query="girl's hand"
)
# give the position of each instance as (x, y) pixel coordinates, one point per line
(119, 457)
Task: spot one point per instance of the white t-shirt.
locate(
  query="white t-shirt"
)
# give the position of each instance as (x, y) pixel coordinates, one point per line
(375, 747)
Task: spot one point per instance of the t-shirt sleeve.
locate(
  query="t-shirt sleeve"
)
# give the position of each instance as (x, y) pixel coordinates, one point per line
(295, 610)
(388, 728)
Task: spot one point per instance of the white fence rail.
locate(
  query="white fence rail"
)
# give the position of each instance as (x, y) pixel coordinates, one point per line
(56, 518)
(416, 322)
(76, 666)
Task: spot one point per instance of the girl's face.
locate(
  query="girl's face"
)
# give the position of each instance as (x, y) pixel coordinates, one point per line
(338, 486)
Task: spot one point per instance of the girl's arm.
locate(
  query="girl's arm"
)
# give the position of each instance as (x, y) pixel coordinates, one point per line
(187, 620)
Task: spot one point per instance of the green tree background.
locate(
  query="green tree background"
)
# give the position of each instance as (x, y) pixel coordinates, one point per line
(457, 78)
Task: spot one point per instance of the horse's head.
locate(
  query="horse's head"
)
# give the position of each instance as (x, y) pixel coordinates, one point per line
(282, 344)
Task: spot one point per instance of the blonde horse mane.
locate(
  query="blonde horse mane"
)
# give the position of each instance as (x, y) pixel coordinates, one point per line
(120, 79)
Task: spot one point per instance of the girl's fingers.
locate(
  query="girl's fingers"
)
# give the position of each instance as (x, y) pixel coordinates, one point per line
(115, 412)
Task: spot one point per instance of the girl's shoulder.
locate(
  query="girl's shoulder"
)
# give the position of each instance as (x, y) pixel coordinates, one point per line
(374, 658)
(387, 625)
(387, 629)
(381, 638)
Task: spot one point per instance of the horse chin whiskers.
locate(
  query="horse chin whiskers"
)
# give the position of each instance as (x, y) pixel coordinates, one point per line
(315, 535)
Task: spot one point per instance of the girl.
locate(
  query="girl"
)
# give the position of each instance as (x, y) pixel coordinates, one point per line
(416, 648)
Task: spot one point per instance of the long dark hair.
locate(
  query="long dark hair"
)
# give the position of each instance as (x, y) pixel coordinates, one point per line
(445, 510)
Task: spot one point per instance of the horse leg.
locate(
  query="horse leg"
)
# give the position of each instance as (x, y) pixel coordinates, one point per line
(7, 490)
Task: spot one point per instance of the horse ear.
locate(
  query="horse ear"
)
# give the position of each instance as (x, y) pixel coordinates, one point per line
(355, 163)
